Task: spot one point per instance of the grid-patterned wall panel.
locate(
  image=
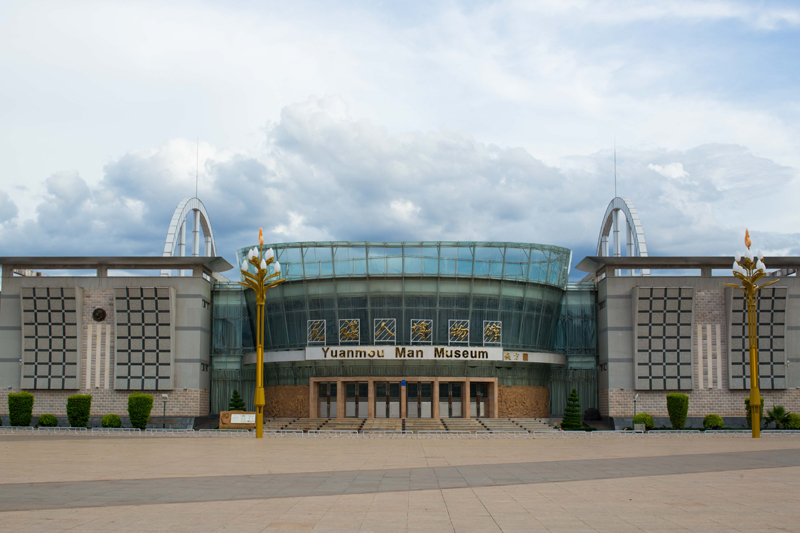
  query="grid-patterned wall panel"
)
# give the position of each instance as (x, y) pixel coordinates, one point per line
(50, 358)
(663, 338)
(143, 338)
(771, 323)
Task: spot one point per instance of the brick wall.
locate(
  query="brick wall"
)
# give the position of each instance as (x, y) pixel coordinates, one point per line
(709, 309)
(701, 402)
(92, 300)
(181, 403)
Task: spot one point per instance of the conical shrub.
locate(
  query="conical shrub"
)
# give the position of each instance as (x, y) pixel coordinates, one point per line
(572, 414)
(236, 402)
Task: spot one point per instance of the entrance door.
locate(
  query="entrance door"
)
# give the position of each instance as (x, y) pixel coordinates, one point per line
(387, 399)
(356, 399)
(327, 399)
(450, 395)
(419, 399)
(478, 400)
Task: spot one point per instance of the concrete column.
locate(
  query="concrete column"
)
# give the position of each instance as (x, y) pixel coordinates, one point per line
(371, 405)
(102, 272)
(403, 406)
(465, 399)
(313, 399)
(339, 398)
(435, 405)
(208, 246)
(494, 394)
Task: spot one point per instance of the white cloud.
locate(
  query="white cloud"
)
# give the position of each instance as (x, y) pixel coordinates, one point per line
(323, 175)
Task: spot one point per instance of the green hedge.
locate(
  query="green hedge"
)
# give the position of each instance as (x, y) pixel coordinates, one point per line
(713, 422)
(111, 421)
(20, 408)
(678, 408)
(139, 407)
(79, 407)
(47, 421)
(793, 421)
(646, 419)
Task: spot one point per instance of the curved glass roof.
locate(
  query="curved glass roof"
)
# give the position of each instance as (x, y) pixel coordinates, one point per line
(537, 263)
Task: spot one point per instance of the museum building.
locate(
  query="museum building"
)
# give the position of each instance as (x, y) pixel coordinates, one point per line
(397, 330)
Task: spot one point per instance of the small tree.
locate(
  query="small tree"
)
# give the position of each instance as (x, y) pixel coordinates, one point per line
(111, 421)
(139, 407)
(79, 407)
(713, 422)
(678, 408)
(778, 415)
(20, 408)
(236, 403)
(749, 413)
(47, 421)
(646, 419)
(572, 414)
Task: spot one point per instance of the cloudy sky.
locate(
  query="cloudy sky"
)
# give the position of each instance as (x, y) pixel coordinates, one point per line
(409, 120)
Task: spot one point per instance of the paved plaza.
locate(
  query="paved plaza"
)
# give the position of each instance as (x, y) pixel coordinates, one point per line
(79, 483)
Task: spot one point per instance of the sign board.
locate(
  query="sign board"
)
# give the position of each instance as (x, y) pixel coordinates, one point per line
(383, 353)
(243, 418)
(237, 420)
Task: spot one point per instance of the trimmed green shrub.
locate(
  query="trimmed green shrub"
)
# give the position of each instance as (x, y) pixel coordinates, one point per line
(792, 421)
(236, 403)
(778, 415)
(572, 414)
(646, 419)
(79, 407)
(749, 413)
(713, 422)
(678, 408)
(20, 408)
(47, 421)
(111, 421)
(139, 407)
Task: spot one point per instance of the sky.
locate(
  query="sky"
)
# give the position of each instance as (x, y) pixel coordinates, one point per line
(395, 121)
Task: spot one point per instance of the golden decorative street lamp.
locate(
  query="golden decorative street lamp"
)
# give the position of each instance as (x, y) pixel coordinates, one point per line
(260, 283)
(749, 269)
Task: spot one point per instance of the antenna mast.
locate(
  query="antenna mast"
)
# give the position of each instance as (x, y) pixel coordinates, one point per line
(615, 167)
(197, 168)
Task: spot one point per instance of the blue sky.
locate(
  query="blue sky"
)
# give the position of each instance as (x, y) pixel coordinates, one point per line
(387, 121)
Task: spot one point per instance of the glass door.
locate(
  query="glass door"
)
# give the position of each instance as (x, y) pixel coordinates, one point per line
(387, 399)
(356, 400)
(327, 399)
(478, 400)
(419, 398)
(450, 397)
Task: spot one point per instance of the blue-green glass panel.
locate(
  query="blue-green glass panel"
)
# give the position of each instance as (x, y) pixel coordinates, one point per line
(377, 265)
(447, 266)
(513, 270)
(413, 265)
(312, 270)
(326, 269)
(430, 251)
(430, 266)
(359, 266)
(413, 251)
(395, 265)
(497, 269)
(481, 268)
(464, 267)
(464, 252)
(449, 251)
(377, 251)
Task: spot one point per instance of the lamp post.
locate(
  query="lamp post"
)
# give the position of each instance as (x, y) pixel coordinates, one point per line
(635, 397)
(749, 269)
(260, 283)
(164, 398)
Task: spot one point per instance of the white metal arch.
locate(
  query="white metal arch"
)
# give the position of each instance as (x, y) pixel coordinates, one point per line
(175, 244)
(636, 245)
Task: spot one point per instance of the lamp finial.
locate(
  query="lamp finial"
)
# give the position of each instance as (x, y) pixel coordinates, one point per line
(747, 241)
(261, 238)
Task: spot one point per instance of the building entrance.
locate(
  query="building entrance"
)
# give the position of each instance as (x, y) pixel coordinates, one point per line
(387, 399)
(419, 399)
(327, 399)
(450, 400)
(356, 400)
(478, 400)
